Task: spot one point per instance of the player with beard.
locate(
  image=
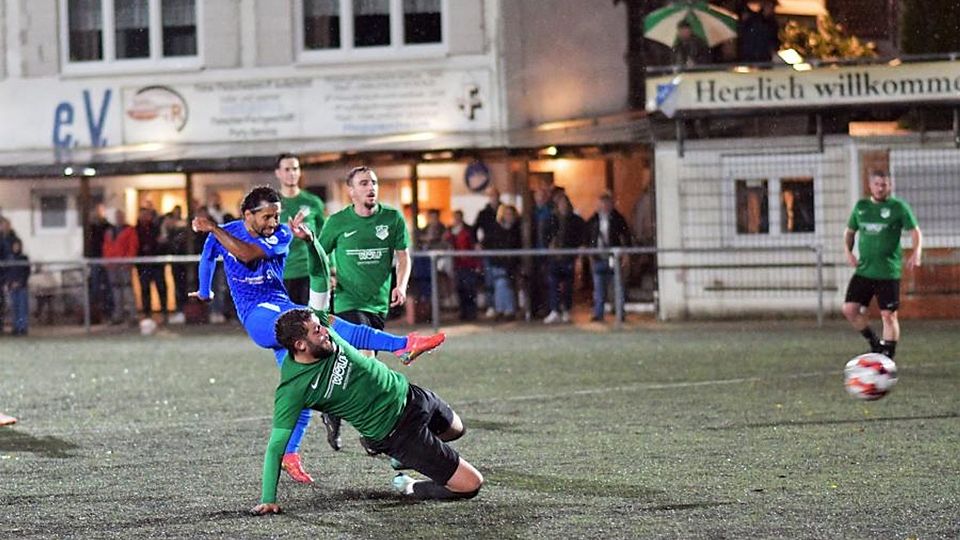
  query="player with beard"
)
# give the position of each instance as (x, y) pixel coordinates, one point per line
(411, 424)
(879, 220)
(254, 251)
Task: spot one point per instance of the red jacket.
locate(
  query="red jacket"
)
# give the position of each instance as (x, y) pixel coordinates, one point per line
(463, 241)
(125, 244)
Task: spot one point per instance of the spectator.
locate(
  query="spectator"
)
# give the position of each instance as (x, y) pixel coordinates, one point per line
(542, 214)
(17, 277)
(757, 32)
(148, 241)
(485, 224)
(565, 231)
(101, 299)
(7, 238)
(607, 228)
(215, 209)
(121, 241)
(505, 235)
(689, 50)
(173, 241)
(466, 269)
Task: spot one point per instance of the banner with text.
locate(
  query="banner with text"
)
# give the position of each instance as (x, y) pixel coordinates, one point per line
(295, 107)
(784, 88)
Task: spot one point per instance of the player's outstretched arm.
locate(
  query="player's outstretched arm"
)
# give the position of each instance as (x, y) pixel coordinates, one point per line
(243, 251)
(205, 268)
(271, 471)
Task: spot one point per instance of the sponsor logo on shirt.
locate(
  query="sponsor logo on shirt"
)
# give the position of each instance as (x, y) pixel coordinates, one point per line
(340, 374)
(367, 256)
(873, 228)
(382, 232)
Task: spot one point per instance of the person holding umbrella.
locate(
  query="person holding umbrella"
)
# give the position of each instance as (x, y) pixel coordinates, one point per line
(690, 49)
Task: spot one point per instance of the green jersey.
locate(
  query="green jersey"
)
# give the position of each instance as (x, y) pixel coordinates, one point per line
(878, 226)
(296, 265)
(362, 251)
(360, 389)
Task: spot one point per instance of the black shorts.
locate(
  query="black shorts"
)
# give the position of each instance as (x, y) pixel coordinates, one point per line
(861, 290)
(414, 440)
(298, 289)
(356, 316)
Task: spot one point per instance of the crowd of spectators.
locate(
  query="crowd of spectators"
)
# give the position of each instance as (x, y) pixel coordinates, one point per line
(501, 283)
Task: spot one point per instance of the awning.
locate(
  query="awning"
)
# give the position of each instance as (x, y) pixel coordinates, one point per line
(603, 133)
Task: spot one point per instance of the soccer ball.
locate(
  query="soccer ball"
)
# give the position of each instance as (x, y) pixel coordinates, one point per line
(148, 327)
(870, 376)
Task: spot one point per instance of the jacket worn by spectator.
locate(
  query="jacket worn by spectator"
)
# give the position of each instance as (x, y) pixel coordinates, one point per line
(617, 233)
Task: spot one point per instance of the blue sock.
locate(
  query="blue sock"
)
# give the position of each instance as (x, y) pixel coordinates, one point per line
(367, 338)
(293, 446)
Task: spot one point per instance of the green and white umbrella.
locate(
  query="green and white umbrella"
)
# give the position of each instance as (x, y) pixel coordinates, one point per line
(713, 24)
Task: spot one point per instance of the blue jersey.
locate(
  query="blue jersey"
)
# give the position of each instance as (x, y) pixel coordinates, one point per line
(251, 283)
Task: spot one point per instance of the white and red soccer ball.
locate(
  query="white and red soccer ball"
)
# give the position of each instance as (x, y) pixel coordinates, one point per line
(870, 376)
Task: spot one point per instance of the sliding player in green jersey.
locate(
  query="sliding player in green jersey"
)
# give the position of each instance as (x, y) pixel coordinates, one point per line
(323, 372)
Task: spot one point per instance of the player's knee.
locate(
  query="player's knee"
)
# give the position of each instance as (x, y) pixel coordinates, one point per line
(888, 316)
(453, 434)
(851, 310)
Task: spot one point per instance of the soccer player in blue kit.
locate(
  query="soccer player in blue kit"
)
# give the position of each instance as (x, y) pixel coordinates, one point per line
(254, 250)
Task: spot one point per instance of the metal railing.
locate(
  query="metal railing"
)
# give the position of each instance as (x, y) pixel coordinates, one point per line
(665, 260)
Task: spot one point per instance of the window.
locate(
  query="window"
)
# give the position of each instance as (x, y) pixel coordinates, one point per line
(335, 29)
(129, 34)
(770, 199)
(321, 24)
(795, 208)
(53, 211)
(421, 21)
(752, 207)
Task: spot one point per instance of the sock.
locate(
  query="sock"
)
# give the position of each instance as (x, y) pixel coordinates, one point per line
(888, 348)
(367, 338)
(428, 489)
(871, 338)
(293, 445)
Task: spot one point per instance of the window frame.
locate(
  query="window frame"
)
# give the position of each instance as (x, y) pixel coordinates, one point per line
(774, 172)
(110, 63)
(70, 211)
(348, 52)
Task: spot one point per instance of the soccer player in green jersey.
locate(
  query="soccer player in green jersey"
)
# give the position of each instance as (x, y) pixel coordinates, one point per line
(363, 239)
(878, 221)
(293, 200)
(410, 424)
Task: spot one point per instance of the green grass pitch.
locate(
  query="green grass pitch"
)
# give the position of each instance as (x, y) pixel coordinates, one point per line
(696, 430)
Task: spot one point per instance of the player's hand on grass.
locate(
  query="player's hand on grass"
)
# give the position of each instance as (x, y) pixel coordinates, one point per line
(397, 297)
(299, 230)
(266, 508)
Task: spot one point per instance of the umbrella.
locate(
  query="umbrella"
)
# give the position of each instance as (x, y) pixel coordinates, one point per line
(712, 23)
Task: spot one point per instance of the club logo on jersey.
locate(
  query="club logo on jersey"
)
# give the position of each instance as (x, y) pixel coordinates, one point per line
(884, 213)
(272, 240)
(382, 232)
(305, 210)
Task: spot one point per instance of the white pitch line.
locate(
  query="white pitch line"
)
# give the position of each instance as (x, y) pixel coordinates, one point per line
(529, 397)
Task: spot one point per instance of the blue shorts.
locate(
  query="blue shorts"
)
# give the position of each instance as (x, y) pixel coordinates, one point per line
(260, 325)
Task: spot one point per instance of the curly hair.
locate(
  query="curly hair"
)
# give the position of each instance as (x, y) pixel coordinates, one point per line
(290, 327)
(259, 196)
